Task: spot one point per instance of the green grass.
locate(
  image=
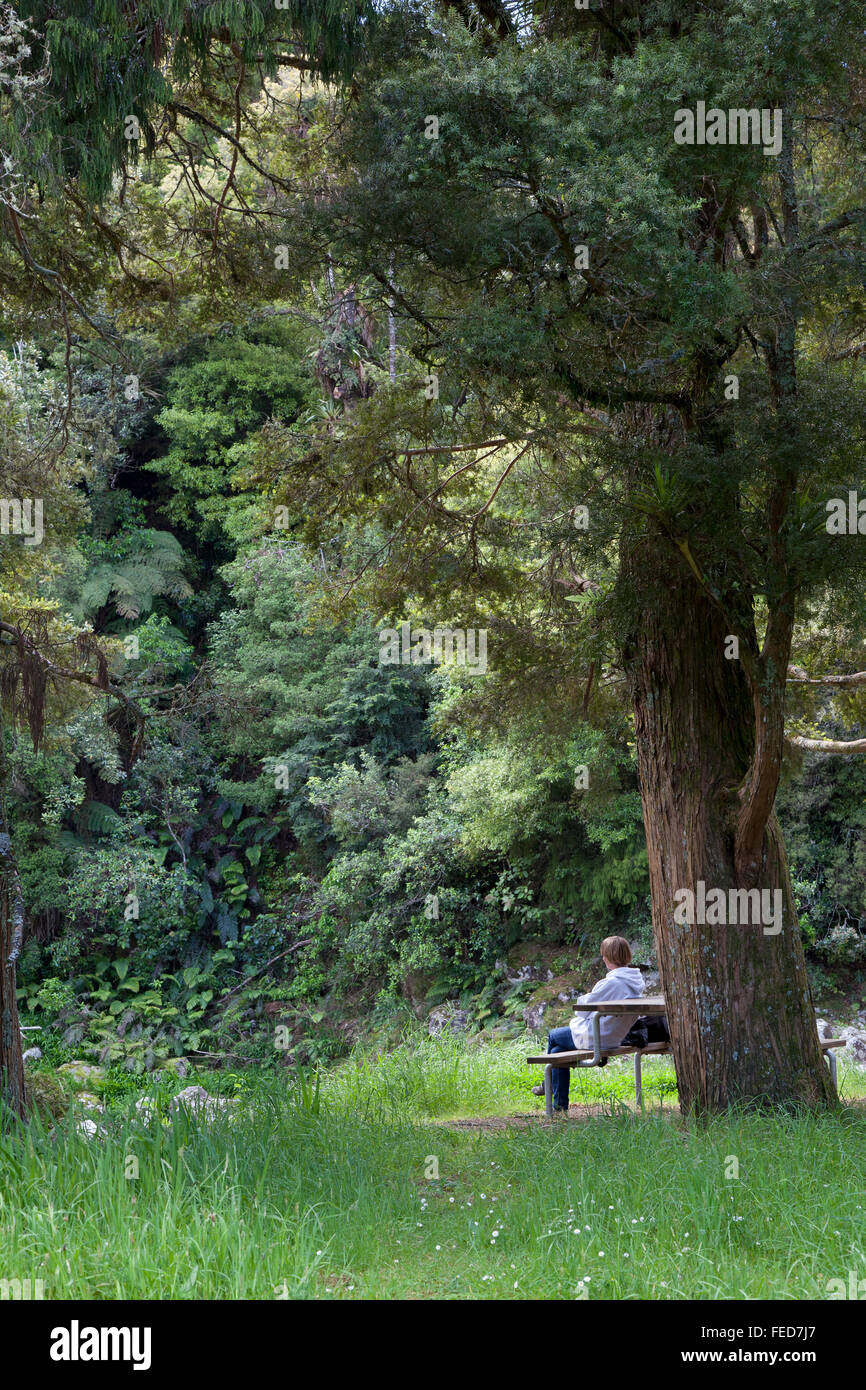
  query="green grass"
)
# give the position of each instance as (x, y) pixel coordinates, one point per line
(376, 1197)
(443, 1078)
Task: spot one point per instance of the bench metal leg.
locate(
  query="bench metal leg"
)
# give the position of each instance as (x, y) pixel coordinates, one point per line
(595, 1059)
(548, 1090)
(831, 1062)
(638, 1090)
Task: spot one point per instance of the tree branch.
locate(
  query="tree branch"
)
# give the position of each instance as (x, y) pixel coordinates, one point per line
(827, 745)
(50, 668)
(797, 676)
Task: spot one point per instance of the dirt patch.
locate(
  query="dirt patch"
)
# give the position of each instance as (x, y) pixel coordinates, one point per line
(494, 1122)
(591, 1110)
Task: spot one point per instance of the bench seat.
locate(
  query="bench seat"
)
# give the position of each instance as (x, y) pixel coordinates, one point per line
(583, 1057)
(570, 1059)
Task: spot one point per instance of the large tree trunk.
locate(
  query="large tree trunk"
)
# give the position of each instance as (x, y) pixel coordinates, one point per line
(740, 1007)
(12, 1091)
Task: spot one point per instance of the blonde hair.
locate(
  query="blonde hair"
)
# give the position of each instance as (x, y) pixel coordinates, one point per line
(617, 950)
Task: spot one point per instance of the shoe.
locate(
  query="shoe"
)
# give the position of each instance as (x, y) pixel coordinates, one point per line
(538, 1090)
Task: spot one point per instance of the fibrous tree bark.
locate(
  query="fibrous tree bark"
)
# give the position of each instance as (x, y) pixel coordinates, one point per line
(740, 1008)
(12, 1091)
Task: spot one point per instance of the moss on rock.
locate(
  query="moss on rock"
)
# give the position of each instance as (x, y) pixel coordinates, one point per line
(46, 1095)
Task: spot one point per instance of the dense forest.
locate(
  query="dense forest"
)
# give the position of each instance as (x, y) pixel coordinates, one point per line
(290, 363)
(432, 563)
(359, 839)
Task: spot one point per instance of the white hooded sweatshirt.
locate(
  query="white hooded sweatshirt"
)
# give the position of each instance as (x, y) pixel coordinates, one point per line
(625, 982)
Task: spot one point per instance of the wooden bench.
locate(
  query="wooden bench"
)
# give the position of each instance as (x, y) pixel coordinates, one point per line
(647, 1006)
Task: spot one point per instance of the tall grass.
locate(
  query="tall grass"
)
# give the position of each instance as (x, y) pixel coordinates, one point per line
(375, 1196)
(444, 1077)
(433, 1077)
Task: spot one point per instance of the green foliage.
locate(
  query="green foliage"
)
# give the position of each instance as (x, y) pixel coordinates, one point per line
(305, 1090)
(163, 651)
(52, 998)
(364, 805)
(299, 699)
(139, 568)
(403, 823)
(823, 811)
(108, 64)
(217, 401)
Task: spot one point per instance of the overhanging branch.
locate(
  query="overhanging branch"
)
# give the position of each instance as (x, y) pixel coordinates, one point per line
(797, 676)
(827, 745)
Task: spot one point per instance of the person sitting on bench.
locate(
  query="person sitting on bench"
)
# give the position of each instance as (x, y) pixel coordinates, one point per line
(622, 981)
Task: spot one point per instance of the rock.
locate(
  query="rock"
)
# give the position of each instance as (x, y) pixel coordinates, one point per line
(90, 1129)
(501, 1032)
(88, 1101)
(352, 1030)
(32, 1054)
(45, 1094)
(178, 1066)
(825, 1029)
(652, 982)
(191, 1097)
(146, 1109)
(856, 1049)
(414, 987)
(533, 1015)
(447, 1017)
(82, 1074)
(196, 1100)
(437, 1019)
(530, 972)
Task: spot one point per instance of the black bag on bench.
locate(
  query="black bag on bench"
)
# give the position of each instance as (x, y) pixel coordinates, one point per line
(643, 1031)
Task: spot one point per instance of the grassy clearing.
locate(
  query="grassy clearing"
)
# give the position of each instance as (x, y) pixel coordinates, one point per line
(374, 1197)
(444, 1078)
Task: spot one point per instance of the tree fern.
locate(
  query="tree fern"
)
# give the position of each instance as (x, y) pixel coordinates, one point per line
(99, 818)
(153, 570)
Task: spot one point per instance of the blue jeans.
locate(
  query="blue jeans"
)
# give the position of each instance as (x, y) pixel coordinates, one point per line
(560, 1040)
